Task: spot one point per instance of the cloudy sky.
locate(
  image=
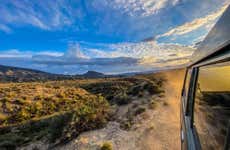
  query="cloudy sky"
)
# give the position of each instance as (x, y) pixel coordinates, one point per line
(109, 36)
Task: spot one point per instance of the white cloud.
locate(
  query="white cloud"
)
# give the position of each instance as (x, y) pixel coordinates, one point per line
(103, 15)
(143, 49)
(74, 51)
(148, 55)
(19, 12)
(15, 53)
(50, 53)
(206, 21)
(114, 58)
(145, 54)
(122, 20)
(75, 56)
(136, 7)
(5, 28)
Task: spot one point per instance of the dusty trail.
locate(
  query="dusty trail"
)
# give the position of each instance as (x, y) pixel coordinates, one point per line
(167, 124)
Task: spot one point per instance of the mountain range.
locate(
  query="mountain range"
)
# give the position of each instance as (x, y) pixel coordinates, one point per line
(16, 74)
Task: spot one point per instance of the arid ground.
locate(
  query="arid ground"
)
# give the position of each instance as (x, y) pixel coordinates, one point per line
(132, 113)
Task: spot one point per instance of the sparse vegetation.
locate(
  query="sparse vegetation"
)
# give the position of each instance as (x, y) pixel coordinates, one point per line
(121, 91)
(58, 111)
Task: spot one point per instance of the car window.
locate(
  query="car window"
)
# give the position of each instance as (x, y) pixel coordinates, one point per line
(212, 105)
(186, 87)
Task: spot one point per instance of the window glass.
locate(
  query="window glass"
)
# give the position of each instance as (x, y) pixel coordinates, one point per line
(212, 105)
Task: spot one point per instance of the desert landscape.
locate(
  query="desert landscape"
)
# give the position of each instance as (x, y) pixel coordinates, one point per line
(134, 112)
(109, 74)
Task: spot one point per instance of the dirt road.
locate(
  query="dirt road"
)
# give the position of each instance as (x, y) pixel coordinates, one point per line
(166, 135)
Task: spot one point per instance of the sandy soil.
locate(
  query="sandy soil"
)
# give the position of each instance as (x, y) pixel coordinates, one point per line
(155, 129)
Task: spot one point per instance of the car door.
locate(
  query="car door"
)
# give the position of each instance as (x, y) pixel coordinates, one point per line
(211, 109)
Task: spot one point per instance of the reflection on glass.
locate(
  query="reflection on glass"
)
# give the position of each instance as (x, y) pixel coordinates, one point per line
(212, 105)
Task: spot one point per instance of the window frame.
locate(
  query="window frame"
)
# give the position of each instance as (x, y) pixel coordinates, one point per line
(191, 93)
(187, 114)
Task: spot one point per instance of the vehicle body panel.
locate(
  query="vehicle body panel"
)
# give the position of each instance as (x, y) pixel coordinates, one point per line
(216, 39)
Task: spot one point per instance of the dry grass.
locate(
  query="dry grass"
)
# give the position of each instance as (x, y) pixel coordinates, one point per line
(61, 110)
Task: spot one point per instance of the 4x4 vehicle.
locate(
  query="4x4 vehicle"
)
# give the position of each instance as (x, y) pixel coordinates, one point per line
(205, 102)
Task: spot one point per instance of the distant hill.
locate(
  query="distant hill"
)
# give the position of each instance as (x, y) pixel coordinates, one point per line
(16, 74)
(94, 74)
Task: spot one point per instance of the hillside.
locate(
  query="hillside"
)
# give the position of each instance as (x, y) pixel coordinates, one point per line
(15, 74)
(93, 74)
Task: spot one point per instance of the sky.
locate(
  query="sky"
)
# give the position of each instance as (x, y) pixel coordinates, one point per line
(108, 36)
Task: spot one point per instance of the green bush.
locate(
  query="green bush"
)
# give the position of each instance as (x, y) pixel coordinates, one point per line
(122, 99)
(140, 110)
(57, 126)
(107, 146)
(135, 90)
(152, 88)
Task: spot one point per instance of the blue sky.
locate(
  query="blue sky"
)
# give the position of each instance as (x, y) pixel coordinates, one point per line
(103, 35)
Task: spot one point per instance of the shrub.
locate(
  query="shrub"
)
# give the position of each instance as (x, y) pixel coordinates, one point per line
(140, 110)
(135, 90)
(107, 146)
(19, 101)
(152, 104)
(165, 103)
(122, 99)
(37, 98)
(57, 125)
(152, 88)
(61, 95)
(9, 141)
(126, 125)
(5, 99)
(8, 145)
